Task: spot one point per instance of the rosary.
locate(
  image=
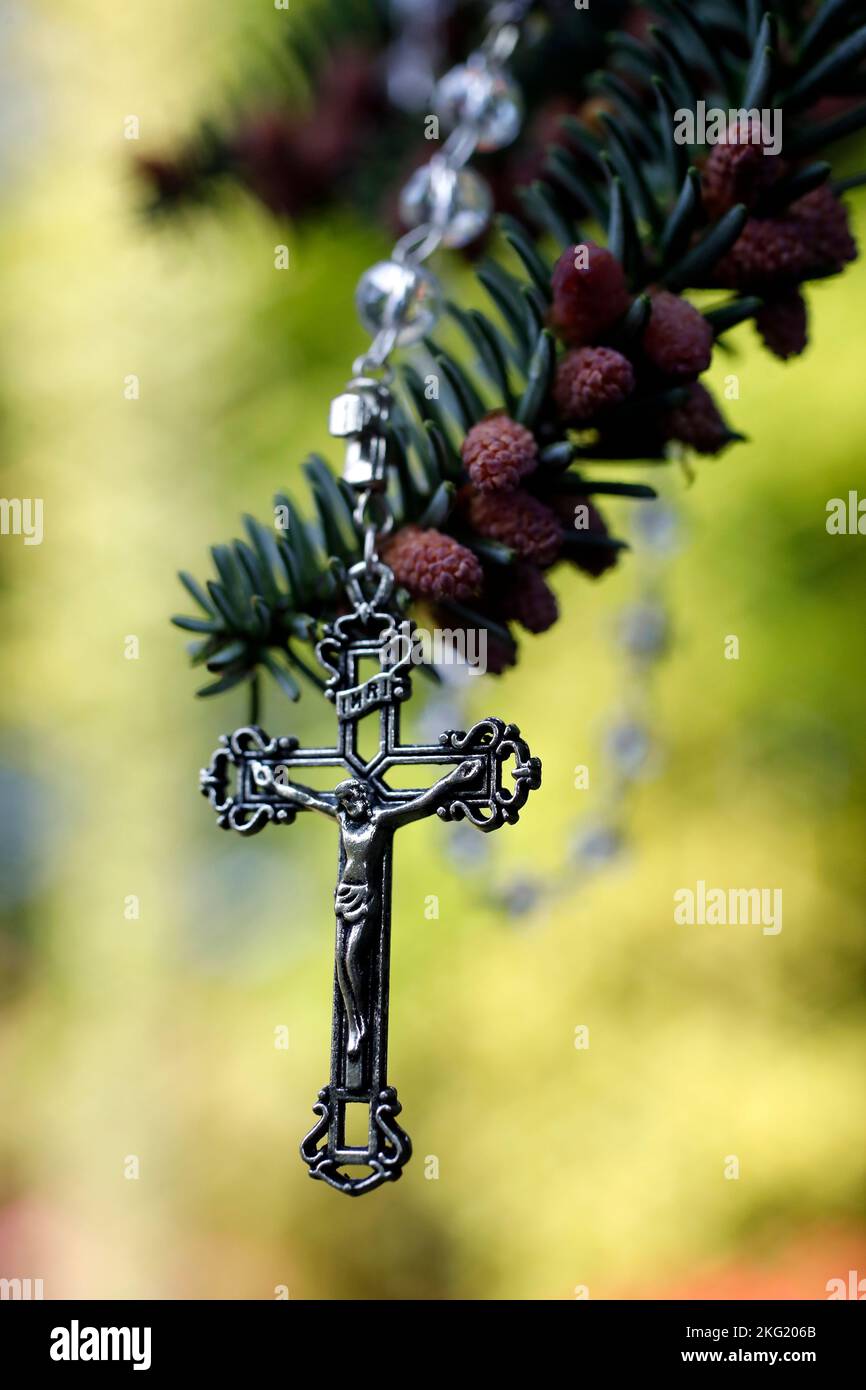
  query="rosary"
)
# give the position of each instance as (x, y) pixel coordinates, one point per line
(250, 780)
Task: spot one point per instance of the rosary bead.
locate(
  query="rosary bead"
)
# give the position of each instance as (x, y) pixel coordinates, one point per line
(482, 97)
(657, 527)
(521, 896)
(398, 295)
(644, 631)
(598, 845)
(460, 202)
(629, 747)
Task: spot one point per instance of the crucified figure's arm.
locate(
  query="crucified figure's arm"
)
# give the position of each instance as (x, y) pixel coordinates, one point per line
(263, 776)
(428, 800)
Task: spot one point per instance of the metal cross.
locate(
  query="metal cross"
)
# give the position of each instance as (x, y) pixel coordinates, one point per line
(250, 784)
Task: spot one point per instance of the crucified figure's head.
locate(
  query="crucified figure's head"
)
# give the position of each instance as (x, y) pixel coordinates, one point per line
(353, 798)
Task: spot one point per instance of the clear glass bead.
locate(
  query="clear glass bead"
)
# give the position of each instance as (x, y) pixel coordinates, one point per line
(629, 746)
(479, 95)
(657, 526)
(458, 201)
(396, 294)
(520, 897)
(644, 630)
(599, 845)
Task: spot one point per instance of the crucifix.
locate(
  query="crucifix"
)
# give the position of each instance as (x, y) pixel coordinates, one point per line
(253, 781)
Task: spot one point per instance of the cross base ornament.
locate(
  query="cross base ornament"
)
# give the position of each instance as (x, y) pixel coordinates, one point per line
(250, 784)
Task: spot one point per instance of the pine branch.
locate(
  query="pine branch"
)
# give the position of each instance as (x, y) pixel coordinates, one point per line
(512, 397)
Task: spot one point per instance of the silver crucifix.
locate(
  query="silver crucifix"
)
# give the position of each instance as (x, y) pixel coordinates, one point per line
(251, 782)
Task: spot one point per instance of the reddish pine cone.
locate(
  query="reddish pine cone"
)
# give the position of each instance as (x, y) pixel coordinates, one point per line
(589, 380)
(528, 599)
(498, 452)
(588, 297)
(823, 220)
(583, 520)
(768, 250)
(677, 340)
(783, 323)
(432, 565)
(697, 422)
(737, 171)
(518, 520)
(499, 655)
(812, 239)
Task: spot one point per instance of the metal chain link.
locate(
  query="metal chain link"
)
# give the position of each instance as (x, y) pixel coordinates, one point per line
(364, 517)
(372, 370)
(416, 246)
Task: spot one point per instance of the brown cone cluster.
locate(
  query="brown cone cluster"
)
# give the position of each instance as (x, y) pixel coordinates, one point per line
(589, 381)
(737, 171)
(604, 367)
(528, 599)
(823, 222)
(587, 530)
(432, 565)
(518, 520)
(783, 324)
(811, 239)
(498, 452)
(678, 341)
(511, 495)
(698, 423)
(589, 294)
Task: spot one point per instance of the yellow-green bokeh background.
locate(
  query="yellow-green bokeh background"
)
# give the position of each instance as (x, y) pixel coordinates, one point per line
(557, 1167)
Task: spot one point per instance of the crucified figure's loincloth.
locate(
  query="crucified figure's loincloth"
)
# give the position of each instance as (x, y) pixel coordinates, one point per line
(351, 901)
(355, 908)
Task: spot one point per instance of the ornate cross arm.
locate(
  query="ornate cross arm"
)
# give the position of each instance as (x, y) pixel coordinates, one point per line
(242, 785)
(496, 743)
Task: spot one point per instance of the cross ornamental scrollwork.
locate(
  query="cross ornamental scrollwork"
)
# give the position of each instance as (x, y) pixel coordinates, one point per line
(254, 781)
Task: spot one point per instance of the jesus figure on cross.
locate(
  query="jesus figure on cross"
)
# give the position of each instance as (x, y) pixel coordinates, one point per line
(365, 830)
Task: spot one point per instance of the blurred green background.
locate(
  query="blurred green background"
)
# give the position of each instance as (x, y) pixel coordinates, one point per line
(559, 1169)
